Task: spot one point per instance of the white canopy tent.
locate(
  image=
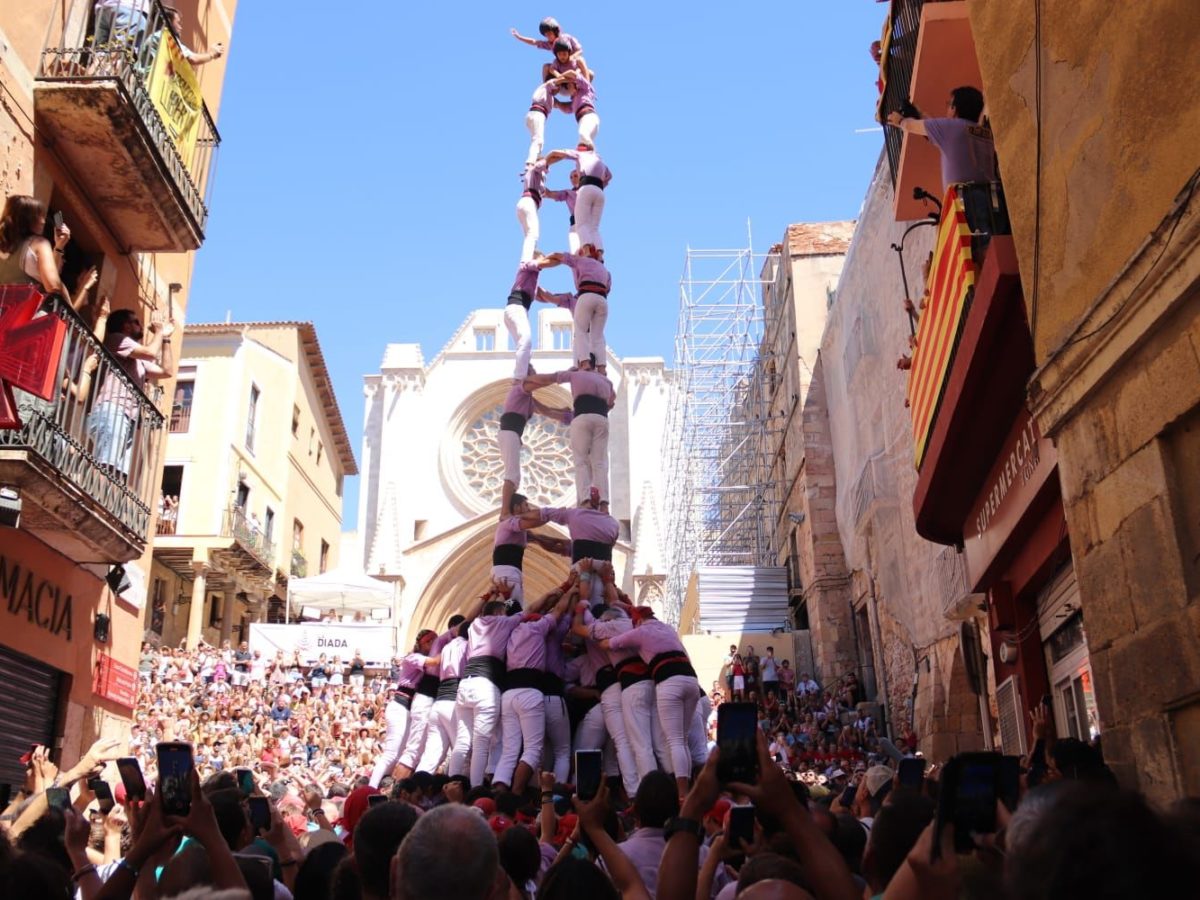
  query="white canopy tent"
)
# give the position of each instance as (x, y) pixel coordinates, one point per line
(341, 590)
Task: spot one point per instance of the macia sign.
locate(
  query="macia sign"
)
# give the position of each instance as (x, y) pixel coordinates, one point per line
(41, 602)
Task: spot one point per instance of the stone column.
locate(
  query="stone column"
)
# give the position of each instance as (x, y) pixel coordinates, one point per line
(228, 603)
(196, 611)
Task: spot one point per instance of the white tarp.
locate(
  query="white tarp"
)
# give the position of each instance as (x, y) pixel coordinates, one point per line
(742, 599)
(343, 590)
(377, 642)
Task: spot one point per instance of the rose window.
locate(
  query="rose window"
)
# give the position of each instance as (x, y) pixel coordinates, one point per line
(547, 473)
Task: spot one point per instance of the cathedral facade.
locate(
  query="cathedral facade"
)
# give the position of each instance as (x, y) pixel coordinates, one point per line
(432, 475)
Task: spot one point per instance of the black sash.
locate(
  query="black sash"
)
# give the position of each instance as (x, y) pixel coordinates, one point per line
(513, 421)
(428, 685)
(403, 696)
(583, 111)
(552, 685)
(593, 287)
(572, 218)
(592, 180)
(447, 689)
(508, 555)
(535, 195)
(631, 670)
(590, 550)
(605, 678)
(488, 667)
(523, 678)
(669, 664)
(541, 109)
(521, 297)
(590, 403)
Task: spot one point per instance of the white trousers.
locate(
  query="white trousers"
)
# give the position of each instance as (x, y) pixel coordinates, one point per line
(591, 315)
(589, 207)
(418, 725)
(478, 710)
(396, 718)
(513, 576)
(676, 699)
(637, 708)
(589, 447)
(438, 736)
(536, 123)
(527, 215)
(592, 735)
(510, 451)
(516, 320)
(573, 239)
(557, 747)
(614, 723)
(523, 725)
(698, 733)
(589, 127)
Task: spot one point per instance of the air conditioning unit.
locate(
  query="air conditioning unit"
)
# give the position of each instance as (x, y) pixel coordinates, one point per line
(965, 606)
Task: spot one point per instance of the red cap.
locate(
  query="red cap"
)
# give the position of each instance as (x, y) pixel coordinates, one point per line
(719, 810)
(486, 804)
(500, 824)
(27, 756)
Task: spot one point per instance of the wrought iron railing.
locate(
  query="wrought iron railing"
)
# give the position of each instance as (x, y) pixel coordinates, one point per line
(249, 534)
(181, 415)
(896, 69)
(100, 430)
(86, 45)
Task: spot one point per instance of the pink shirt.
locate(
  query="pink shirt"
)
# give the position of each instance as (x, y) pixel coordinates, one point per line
(556, 661)
(453, 656)
(591, 383)
(584, 96)
(527, 646)
(412, 667)
(510, 531)
(600, 631)
(489, 635)
(543, 98)
(589, 163)
(534, 178)
(649, 639)
(587, 269)
(113, 389)
(567, 195)
(519, 401)
(584, 524)
(562, 36)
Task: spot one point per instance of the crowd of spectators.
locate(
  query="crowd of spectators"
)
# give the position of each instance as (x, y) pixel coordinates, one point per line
(831, 817)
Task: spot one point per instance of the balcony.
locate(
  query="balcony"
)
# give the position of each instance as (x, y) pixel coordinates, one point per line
(930, 52)
(84, 500)
(240, 557)
(972, 360)
(127, 117)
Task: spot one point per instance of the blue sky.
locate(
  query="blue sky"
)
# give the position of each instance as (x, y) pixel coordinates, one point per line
(370, 155)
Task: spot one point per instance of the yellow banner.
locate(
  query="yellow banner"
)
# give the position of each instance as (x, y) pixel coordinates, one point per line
(176, 95)
(951, 278)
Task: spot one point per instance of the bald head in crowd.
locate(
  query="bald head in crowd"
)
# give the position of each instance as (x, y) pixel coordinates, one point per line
(774, 889)
(426, 871)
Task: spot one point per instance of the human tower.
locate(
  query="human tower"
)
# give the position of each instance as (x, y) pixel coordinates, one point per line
(513, 685)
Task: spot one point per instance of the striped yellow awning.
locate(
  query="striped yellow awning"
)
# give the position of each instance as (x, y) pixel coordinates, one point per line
(951, 279)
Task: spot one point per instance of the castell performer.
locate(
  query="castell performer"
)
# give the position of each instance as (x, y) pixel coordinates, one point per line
(522, 703)
(568, 52)
(582, 106)
(516, 311)
(676, 689)
(593, 396)
(412, 667)
(519, 407)
(542, 102)
(533, 182)
(591, 179)
(451, 647)
(592, 286)
(567, 196)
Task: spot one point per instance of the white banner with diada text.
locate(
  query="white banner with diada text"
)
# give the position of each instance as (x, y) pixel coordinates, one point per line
(376, 642)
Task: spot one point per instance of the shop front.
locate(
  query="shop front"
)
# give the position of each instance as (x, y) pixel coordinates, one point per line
(1017, 553)
(68, 651)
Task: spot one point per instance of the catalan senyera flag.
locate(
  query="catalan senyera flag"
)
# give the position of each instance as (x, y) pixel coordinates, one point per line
(951, 280)
(176, 94)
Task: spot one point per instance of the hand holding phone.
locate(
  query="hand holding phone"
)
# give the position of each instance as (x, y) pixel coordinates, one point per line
(104, 794)
(260, 813)
(58, 798)
(741, 827)
(175, 764)
(912, 772)
(967, 798)
(737, 726)
(131, 777)
(588, 773)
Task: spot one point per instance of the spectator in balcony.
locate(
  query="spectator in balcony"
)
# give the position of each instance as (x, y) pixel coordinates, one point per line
(175, 21)
(114, 417)
(120, 23)
(965, 143)
(28, 258)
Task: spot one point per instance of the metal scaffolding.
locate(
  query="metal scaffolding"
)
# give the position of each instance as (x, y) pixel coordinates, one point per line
(720, 504)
